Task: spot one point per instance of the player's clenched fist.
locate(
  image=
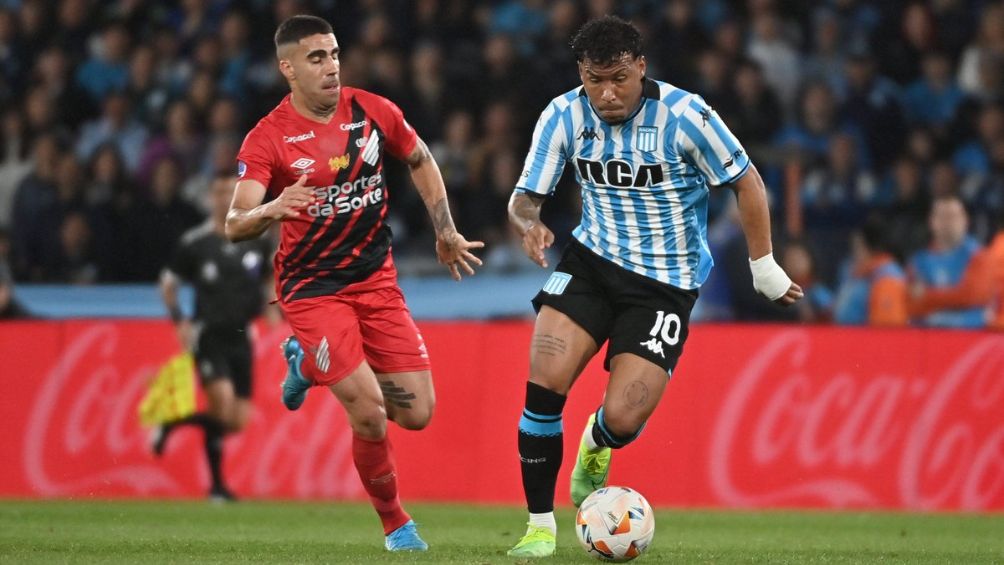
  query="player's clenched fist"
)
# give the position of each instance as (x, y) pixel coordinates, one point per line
(293, 198)
(535, 241)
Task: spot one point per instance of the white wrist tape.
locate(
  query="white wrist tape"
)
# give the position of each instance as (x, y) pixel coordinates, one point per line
(769, 279)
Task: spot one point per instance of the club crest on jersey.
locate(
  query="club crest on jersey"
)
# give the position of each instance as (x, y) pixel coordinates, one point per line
(647, 138)
(338, 163)
(618, 173)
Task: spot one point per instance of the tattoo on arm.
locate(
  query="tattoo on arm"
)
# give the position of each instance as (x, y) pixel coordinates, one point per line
(636, 394)
(549, 345)
(442, 221)
(396, 395)
(524, 210)
(419, 154)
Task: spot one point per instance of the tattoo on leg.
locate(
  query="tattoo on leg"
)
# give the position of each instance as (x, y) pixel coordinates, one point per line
(636, 394)
(396, 395)
(549, 345)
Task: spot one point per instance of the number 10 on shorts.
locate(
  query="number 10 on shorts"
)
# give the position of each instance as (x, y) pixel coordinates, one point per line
(667, 326)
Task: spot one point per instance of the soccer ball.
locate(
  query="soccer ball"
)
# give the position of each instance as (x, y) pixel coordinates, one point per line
(615, 524)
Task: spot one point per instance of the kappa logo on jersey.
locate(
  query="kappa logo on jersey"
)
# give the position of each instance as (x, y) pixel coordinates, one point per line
(706, 114)
(618, 173)
(648, 138)
(354, 125)
(301, 137)
(590, 133)
(338, 163)
(301, 163)
(557, 283)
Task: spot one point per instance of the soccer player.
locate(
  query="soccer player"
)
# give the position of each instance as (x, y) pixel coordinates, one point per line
(319, 156)
(645, 154)
(229, 280)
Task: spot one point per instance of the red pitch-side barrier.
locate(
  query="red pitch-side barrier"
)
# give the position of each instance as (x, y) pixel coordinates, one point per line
(755, 416)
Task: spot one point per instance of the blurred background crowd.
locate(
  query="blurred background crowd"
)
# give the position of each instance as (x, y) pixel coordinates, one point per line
(877, 126)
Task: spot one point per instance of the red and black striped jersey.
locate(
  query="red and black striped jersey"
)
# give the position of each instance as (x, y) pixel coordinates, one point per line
(343, 238)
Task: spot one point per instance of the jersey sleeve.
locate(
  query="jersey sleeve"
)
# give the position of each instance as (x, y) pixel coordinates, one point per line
(256, 157)
(400, 136)
(703, 139)
(182, 263)
(547, 156)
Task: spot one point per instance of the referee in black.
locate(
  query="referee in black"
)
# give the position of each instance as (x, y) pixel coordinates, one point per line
(230, 282)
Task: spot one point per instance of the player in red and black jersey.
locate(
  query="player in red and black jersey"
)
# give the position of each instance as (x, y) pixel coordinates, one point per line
(318, 157)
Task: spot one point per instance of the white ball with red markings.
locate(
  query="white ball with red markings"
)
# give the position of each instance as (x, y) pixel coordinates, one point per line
(615, 524)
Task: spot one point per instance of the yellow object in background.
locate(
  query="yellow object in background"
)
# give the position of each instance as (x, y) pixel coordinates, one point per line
(171, 395)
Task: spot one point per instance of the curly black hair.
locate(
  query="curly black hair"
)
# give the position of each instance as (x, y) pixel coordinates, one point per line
(606, 39)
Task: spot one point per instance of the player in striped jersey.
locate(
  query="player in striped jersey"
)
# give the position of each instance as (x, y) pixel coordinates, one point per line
(645, 155)
(319, 157)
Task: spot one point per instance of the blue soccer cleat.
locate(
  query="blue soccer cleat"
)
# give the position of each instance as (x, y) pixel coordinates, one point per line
(294, 386)
(405, 538)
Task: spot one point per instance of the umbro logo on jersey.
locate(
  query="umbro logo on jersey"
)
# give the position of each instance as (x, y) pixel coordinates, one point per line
(301, 163)
(590, 133)
(301, 137)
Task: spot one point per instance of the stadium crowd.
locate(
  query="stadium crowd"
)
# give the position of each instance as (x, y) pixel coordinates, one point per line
(877, 126)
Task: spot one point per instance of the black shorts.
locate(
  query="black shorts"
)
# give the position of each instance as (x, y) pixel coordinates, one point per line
(637, 314)
(224, 354)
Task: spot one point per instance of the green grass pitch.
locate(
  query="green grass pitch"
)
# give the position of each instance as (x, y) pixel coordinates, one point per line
(150, 532)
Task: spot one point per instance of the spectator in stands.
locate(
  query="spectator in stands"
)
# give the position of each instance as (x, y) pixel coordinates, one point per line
(677, 31)
(31, 243)
(74, 261)
(180, 140)
(781, 62)
(872, 290)
(944, 262)
(798, 261)
(148, 95)
(10, 308)
(872, 103)
(987, 48)
(107, 69)
(973, 157)
(14, 161)
(757, 113)
(159, 220)
(116, 126)
(933, 100)
(906, 209)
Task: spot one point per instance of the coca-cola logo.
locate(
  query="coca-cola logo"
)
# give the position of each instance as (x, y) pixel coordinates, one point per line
(82, 435)
(792, 430)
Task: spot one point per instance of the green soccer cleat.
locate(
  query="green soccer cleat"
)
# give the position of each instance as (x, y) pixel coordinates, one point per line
(537, 542)
(591, 468)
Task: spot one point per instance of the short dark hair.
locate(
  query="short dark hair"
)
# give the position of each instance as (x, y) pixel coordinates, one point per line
(606, 39)
(299, 26)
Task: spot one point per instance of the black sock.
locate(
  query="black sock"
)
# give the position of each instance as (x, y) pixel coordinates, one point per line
(214, 451)
(200, 419)
(540, 437)
(605, 438)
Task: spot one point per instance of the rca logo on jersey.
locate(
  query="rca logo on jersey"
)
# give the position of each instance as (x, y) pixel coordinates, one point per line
(301, 137)
(353, 125)
(618, 173)
(339, 199)
(301, 164)
(338, 163)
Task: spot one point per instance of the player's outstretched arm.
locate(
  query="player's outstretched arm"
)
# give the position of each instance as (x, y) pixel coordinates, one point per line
(169, 294)
(769, 279)
(452, 249)
(248, 218)
(524, 213)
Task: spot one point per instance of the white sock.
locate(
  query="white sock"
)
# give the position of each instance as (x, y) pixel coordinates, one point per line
(590, 442)
(544, 520)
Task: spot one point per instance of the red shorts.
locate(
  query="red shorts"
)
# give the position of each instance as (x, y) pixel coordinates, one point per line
(340, 331)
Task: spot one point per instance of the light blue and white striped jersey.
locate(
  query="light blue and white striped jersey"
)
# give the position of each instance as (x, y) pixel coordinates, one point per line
(644, 181)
